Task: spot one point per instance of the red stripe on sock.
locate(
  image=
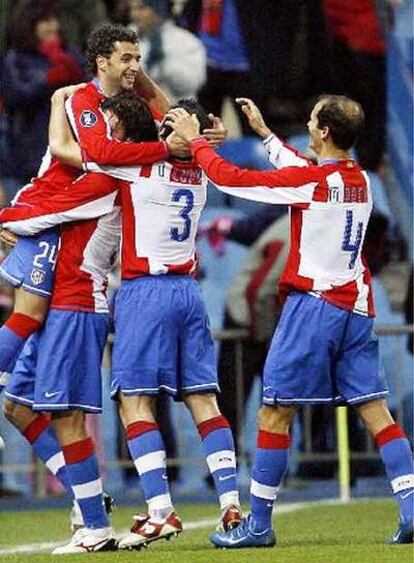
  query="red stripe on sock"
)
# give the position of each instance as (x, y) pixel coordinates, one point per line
(391, 432)
(139, 427)
(271, 440)
(22, 325)
(36, 427)
(78, 451)
(204, 428)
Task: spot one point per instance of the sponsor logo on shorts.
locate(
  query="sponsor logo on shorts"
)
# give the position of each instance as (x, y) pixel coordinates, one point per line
(88, 118)
(49, 394)
(37, 276)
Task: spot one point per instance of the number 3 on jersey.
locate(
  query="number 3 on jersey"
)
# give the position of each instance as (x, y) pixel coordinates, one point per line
(177, 234)
(347, 244)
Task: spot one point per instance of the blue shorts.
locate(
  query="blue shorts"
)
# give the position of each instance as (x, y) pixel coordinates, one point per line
(31, 263)
(162, 338)
(322, 354)
(59, 368)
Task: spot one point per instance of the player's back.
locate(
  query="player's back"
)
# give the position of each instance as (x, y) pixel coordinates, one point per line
(161, 208)
(327, 236)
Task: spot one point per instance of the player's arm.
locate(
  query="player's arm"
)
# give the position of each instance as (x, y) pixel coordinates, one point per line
(287, 186)
(88, 197)
(280, 154)
(146, 88)
(61, 142)
(91, 131)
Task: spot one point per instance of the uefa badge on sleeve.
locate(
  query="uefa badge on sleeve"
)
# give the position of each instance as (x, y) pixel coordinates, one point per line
(37, 276)
(88, 118)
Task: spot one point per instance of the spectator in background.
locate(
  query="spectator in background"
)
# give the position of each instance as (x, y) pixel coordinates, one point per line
(36, 63)
(270, 51)
(172, 56)
(357, 62)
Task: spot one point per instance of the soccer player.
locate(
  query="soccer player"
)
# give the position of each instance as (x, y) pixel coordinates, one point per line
(163, 342)
(59, 369)
(324, 349)
(113, 57)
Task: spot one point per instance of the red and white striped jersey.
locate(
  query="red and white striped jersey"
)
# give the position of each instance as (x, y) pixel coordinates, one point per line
(161, 207)
(88, 246)
(88, 250)
(330, 206)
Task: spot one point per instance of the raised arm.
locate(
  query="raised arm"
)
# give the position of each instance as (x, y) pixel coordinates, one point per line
(146, 88)
(279, 153)
(61, 142)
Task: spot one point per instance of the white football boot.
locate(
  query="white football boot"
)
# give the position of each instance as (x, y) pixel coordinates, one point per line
(87, 540)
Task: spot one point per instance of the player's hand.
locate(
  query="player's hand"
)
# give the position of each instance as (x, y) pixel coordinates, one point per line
(254, 116)
(185, 125)
(177, 146)
(8, 238)
(61, 94)
(217, 134)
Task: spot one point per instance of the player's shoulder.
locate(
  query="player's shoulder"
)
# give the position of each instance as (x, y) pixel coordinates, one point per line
(88, 97)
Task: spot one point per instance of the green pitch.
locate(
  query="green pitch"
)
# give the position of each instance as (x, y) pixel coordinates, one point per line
(312, 534)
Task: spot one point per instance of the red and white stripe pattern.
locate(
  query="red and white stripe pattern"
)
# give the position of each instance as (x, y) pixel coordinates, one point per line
(330, 208)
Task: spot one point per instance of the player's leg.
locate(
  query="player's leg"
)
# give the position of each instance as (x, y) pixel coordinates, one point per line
(293, 374)
(218, 445)
(360, 381)
(29, 267)
(37, 430)
(144, 363)
(270, 463)
(147, 450)
(28, 315)
(34, 426)
(397, 458)
(68, 385)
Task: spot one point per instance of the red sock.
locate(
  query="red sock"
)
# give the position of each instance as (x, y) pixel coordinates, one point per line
(22, 325)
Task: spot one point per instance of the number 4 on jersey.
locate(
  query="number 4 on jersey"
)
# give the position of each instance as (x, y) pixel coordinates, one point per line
(347, 244)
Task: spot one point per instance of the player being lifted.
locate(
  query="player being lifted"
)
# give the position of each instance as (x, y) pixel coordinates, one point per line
(324, 350)
(113, 57)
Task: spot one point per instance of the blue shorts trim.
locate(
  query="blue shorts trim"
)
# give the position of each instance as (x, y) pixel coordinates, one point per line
(163, 341)
(31, 263)
(60, 366)
(321, 354)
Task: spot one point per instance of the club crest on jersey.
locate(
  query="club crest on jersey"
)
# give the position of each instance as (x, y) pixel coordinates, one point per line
(37, 276)
(88, 118)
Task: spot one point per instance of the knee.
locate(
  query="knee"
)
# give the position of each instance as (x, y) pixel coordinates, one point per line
(18, 415)
(9, 410)
(275, 419)
(202, 406)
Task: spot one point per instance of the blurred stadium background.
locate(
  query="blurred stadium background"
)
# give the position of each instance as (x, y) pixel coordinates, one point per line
(307, 63)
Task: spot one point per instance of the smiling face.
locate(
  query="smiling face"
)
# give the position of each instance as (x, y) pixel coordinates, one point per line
(316, 135)
(120, 70)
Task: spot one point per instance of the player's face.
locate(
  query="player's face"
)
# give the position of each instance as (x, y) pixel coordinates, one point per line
(315, 134)
(116, 125)
(123, 66)
(46, 30)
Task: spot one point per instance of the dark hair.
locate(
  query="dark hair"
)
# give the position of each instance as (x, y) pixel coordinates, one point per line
(135, 115)
(21, 33)
(193, 107)
(344, 117)
(102, 42)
